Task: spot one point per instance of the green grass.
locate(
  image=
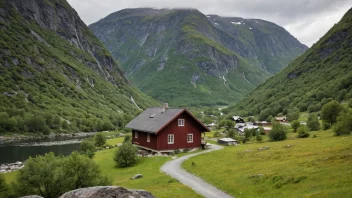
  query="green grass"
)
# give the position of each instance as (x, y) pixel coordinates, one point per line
(154, 181)
(311, 167)
(159, 184)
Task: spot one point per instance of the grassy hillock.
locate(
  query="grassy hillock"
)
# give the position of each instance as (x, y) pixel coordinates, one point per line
(311, 167)
(56, 76)
(323, 73)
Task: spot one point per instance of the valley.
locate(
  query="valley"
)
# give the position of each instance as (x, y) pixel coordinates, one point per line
(177, 102)
(186, 58)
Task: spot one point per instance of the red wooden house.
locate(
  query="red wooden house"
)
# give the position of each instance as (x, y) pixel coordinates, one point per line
(164, 130)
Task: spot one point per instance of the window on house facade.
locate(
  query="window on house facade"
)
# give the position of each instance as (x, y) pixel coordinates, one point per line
(148, 137)
(135, 134)
(170, 139)
(189, 138)
(181, 122)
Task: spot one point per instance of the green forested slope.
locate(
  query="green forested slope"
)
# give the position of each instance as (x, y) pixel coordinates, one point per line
(55, 75)
(183, 57)
(322, 73)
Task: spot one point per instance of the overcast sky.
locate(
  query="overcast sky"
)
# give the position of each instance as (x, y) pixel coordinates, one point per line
(307, 20)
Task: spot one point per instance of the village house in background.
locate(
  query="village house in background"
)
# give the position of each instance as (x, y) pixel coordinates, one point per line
(165, 130)
(227, 141)
(238, 119)
(281, 119)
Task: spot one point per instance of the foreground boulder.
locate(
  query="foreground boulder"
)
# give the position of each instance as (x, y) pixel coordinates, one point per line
(107, 192)
(137, 176)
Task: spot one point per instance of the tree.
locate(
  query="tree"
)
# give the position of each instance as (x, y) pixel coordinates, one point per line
(258, 137)
(247, 134)
(231, 133)
(278, 132)
(313, 122)
(99, 139)
(295, 125)
(292, 114)
(269, 118)
(40, 176)
(216, 134)
(51, 176)
(87, 147)
(344, 123)
(330, 111)
(302, 132)
(80, 172)
(126, 155)
(261, 131)
(127, 138)
(350, 103)
(229, 124)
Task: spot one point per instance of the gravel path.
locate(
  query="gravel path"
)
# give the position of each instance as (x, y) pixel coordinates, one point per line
(174, 169)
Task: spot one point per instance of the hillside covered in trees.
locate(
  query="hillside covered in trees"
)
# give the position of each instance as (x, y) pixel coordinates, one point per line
(323, 73)
(55, 76)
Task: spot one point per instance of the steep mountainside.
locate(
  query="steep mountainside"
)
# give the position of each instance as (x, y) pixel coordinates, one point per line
(55, 74)
(322, 73)
(186, 58)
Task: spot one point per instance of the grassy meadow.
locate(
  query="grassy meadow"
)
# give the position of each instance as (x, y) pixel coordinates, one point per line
(154, 181)
(311, 167)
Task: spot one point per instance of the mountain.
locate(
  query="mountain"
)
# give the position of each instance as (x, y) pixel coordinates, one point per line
(322, 73)
(185, 58)
(55, 72)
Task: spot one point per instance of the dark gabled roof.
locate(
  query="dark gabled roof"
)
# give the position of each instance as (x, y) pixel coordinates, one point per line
(152, 120)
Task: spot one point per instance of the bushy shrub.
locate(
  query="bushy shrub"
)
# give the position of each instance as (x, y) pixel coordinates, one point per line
(344, 123)
(303, 132)
(231, 133)
(216, 134)
(186, 150)
(261, 131)
(244, 140)
(259, 138)
(99, 139)
(295, 125)
(4, 188)
(177, 151)
(127, 138)
(51, 176)
(278, 132)
(247, 134)
(87, 147)
(293, 114)
(330, 111)
(126, 155)
(313, 122)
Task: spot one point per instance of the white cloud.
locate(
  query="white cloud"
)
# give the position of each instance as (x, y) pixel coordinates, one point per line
(307, 20)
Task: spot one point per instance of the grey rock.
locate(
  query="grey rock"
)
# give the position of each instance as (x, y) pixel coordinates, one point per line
(15, 61)
(32, 196)
(138, 176)
(264, 148)
(107, 192)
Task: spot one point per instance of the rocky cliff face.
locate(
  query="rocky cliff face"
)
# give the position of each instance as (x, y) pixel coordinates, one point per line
(59, 17)
(53, 68)
(322, 73)
(187, 58)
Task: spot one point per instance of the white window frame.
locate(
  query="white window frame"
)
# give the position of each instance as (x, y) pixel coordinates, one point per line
(136, 134)
(190, 135)
(181, 122)
(148, 137)
(169, 138)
